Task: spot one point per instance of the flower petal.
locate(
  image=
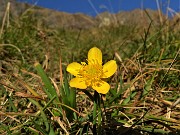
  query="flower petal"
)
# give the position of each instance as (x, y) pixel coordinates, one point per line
(95, 55)
(109, 68)
(74, 68)
(78, 83)
(103, 88)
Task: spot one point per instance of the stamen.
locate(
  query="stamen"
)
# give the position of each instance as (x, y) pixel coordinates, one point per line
(92, 72)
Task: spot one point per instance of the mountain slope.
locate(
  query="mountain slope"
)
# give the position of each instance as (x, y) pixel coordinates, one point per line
(55, 19)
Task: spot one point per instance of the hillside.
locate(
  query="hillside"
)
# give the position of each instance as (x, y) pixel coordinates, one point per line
(56, 19)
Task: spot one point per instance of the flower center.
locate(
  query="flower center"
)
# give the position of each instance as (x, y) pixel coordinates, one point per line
(92, 73)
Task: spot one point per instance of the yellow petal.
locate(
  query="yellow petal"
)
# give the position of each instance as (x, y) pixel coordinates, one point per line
(109, 68)
(78, 83)
(95, 55)
(74, 68)
(103, 88)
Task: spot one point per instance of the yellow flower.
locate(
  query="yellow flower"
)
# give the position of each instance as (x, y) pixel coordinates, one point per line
(93, 73)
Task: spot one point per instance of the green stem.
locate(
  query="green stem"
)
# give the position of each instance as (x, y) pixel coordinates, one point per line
(94, 113)
(99, 114)
(94, 116)
(97, 106)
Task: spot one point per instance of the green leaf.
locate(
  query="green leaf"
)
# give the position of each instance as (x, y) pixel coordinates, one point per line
(49, 88)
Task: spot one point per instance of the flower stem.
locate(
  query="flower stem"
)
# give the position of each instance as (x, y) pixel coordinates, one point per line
(96, 108)
(99, 115)
(94, 114)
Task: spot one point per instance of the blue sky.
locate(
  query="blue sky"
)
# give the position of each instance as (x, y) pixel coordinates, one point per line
(92, 7)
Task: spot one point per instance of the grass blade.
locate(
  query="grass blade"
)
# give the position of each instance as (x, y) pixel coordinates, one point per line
(50, 90)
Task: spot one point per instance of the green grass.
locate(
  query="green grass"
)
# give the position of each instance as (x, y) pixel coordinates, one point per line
(37, 99)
